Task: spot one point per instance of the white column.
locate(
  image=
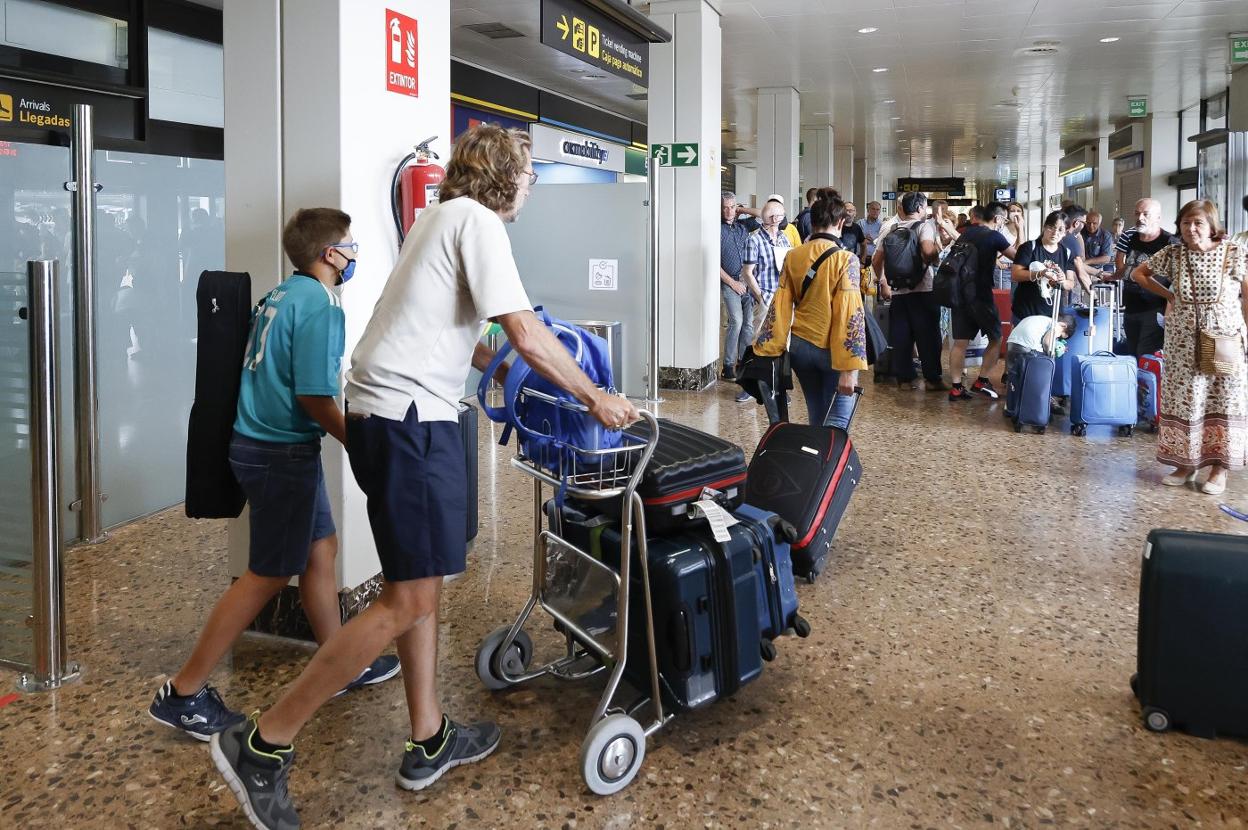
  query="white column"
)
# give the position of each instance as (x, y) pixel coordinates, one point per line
(305, 90)
(843, 170)
(1237, 113)
(779, 109)
(816, 166)
(1161, 159)
(1103, 183)
(861, 189)
(684, 105)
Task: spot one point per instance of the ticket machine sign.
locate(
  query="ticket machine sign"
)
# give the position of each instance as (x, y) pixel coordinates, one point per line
(402, 54)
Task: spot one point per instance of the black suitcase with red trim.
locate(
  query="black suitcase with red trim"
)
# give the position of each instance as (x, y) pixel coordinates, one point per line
(806, 475)
(686, 463)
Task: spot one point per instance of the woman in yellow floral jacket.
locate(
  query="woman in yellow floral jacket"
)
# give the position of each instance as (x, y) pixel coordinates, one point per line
(826, 320)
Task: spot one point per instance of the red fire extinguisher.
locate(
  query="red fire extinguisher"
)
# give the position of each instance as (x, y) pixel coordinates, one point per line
(415, 186)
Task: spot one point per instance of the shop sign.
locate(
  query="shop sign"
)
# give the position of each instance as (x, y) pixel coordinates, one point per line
(586, 35)
(402, 54)
(578, 150)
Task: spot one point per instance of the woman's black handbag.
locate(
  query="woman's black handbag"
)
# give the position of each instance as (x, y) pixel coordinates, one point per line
(767, 380)
(877, 342)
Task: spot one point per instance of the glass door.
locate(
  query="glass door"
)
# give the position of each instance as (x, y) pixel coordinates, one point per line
(35, 223)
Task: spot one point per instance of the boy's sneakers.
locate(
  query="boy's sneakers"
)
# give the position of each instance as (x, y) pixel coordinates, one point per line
(743, 397)
(382, 669)
(257, 779)
(984, 387)
(959, 393)
(461, 744)
(200, 715)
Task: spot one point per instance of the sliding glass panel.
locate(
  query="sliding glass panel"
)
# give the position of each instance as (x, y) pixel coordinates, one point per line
(160, 222)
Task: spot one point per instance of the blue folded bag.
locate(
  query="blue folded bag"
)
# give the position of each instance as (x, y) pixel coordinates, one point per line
(550, 434)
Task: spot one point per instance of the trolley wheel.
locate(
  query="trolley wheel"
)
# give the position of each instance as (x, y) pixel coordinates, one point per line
(1135, 685)
(768, 649)
(1156, 719)
(612, 754)
(1152, 427)
(1125, 430)
(1041, 430)
(515, 662)
(1079, 429)
(1018, 427)
(800, 626)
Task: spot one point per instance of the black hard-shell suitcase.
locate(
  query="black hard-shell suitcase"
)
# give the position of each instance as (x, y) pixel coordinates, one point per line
(806, 475)
(685, 463)
(705, 603)
(223, 305)
(1192, 651)
(468, 434)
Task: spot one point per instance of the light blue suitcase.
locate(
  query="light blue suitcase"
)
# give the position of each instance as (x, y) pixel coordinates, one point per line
(1103, 390)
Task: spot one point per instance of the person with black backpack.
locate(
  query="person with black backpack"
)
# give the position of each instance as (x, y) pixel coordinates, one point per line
(904, 252)
(975, 312)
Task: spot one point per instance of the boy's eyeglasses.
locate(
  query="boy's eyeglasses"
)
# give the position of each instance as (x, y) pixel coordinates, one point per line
(532, 177)
(353, 247)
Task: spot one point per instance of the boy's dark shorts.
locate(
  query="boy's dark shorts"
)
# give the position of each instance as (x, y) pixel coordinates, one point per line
(969, 320)
(287, 501)
(415, 478)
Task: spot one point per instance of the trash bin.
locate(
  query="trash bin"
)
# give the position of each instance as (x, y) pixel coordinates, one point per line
(613, 333)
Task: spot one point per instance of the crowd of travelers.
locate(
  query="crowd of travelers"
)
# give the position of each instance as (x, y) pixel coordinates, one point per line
(1173, 290)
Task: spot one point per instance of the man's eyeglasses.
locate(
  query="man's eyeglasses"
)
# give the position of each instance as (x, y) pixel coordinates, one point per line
(532, 177)
(353, 247)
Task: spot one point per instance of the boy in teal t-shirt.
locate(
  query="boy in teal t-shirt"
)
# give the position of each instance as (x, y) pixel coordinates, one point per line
(286, 404)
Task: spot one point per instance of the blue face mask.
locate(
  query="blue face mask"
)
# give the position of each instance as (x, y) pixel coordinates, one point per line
(347, 273)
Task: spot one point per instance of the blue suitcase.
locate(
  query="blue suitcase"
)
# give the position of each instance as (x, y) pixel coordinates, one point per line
(1029, 390)
(704, 599)
(777, 593)
(1146, 388)
(1083, 343)
(1104, 391)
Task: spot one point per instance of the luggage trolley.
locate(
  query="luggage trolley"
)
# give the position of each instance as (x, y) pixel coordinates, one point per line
(564, 578)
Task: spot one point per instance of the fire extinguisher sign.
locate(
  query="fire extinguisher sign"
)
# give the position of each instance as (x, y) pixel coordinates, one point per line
(402, 57)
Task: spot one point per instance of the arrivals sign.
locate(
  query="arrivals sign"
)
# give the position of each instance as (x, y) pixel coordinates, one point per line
(402, 54)
(587, 35)
(948, 187)
(26, 105)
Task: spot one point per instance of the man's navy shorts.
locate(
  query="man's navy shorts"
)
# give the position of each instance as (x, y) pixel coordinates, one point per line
(288, 505)
(415, 478)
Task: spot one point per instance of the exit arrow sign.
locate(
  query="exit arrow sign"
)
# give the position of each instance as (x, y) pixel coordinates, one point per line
(675, 155)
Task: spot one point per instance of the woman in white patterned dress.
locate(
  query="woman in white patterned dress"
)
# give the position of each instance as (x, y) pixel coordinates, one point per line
(1204, 417)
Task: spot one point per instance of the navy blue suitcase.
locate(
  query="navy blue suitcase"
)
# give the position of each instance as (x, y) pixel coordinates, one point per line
(705, 601)
(1029, 390)
(773, 565)
(1104, 391)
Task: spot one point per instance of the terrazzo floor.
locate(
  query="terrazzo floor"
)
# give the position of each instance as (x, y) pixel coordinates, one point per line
(973, 638)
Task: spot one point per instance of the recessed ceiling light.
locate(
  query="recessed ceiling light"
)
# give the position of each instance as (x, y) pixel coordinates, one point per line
(867, 30)
(1110, 40)
(895, 118)
(901, 129)
(890, 101)
(880, 69)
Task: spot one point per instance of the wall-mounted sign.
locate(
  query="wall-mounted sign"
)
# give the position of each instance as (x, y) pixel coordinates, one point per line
(949, 187)
(674, 155)
(583, 33)
(889, 196)
(1239, 48)
(579, 150)
(26, 105)
(1137, 106)
(604, 275)
(1003, 194)
(402, 54)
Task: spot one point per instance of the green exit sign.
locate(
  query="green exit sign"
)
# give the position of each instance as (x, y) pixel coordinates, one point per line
(1137, 107)
(1239, 49)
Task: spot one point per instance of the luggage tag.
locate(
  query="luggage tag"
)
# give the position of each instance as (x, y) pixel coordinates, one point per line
(719, 518)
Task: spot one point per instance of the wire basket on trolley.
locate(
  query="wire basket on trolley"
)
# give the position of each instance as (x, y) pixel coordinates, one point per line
(587, 598)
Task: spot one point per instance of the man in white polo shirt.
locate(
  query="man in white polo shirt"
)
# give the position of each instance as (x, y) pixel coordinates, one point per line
(408, 372)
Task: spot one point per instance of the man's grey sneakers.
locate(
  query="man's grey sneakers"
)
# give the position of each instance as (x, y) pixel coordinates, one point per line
(257, 779)
(200, 715)
(379, 671)
(461, 744)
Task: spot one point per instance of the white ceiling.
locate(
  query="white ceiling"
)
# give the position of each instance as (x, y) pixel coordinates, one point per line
(963, 92)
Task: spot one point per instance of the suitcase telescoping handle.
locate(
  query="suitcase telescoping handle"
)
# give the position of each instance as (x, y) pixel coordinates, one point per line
(858, 392)
(1057, 310)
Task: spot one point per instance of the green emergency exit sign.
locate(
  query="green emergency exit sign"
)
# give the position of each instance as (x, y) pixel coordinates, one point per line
(1239, 49)
(1137, 107)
